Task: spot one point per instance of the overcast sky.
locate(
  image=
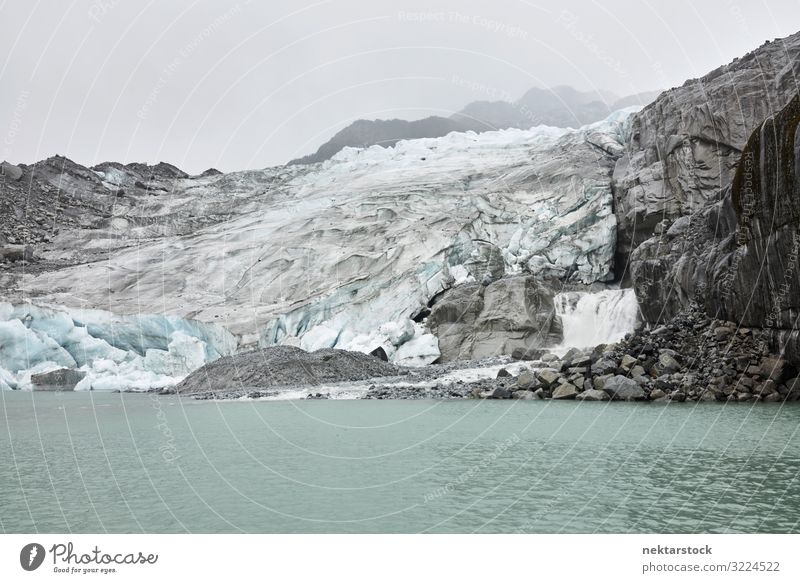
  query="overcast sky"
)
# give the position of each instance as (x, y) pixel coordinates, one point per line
(255, 83)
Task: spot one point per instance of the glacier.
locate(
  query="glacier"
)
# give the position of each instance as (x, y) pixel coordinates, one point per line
(348, 253)
(116, 352)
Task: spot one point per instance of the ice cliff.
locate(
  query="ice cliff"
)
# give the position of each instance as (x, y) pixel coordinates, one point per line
(115, 352)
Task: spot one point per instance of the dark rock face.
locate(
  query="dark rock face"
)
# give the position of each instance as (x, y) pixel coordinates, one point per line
(759, 285)
(475, 321)
(63, 379)
(707, 198)
(739, 256)
(684, 148)
(676, 266)
(282, 366)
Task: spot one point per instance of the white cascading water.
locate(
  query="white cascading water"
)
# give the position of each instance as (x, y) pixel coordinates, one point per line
(596, 318)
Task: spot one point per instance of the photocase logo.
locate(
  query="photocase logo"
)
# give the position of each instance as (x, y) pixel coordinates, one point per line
(31, 556)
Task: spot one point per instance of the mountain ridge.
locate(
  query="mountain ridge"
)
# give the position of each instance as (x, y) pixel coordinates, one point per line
(559, 106)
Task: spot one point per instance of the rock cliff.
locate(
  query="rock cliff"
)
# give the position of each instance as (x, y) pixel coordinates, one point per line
(685, 146)
(758, 283)
(672, 188)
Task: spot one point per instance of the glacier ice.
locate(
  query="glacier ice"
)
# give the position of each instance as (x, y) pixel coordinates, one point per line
(107, 375)
(183, 355)
(21, 348)
(420, 350)
(36, 339)
(320, 336)
(330, 253)
(7, 380)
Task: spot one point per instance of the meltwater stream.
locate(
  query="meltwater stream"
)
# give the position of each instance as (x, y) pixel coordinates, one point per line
(592, 318)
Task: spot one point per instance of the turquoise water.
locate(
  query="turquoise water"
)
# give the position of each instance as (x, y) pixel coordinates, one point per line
(94, 462)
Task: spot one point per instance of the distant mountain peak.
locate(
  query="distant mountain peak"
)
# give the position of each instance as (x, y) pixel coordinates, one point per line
(560, 106)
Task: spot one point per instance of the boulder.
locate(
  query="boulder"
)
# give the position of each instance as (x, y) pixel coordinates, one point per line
(623, 388)
(576, 379)
(708, 395)
(527, 353)
(604, 366)
(380, 353)
(474, 321)
(600, 381)
(14, 253)
(592, 395)
(768, 387)
(565, 391)
(628, 362)
(665, 383)
(548, 377)
(667, 364)
(637, 371)
(575, 358)
(527, 380)
(722, 333)
(499, 393)
(524, 395)
(63, 379)
(776, 369)
(10, 171)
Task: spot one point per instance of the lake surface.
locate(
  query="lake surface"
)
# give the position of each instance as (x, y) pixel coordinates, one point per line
(95, 462)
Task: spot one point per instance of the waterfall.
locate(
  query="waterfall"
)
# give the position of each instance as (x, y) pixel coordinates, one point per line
(596, 318)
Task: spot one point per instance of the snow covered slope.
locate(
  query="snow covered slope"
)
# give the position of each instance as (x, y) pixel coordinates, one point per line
(345, 253)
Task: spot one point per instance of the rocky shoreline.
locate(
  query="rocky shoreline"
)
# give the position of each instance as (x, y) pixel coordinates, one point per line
(692, 358)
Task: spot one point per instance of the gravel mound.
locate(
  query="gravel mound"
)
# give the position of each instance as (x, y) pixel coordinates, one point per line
(283, 366)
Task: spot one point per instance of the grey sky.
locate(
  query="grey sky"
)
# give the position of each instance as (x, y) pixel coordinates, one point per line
(253, 84)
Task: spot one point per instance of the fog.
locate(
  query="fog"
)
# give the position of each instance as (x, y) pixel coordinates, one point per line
(253, 84)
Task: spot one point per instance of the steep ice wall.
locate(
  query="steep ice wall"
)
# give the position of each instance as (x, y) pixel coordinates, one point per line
(115, 352)
(347, 252)
(592, 318)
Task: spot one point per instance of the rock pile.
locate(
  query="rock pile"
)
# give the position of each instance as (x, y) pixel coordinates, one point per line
(692, 358)
(254, 373)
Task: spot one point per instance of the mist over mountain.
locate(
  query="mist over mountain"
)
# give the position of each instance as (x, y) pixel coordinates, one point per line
(561, 106)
